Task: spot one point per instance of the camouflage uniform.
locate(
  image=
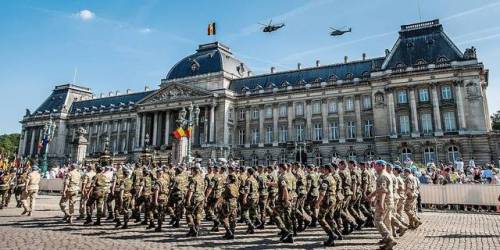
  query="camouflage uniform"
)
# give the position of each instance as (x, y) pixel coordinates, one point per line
(145, 199)
(283, 210)
(410, 207)
(21, 179)
(137, 179)
(161, 188)
(347, 221)
(272, 183)
(31, 191)
(5, 179)
(250, 200)
(383, 208)
(86, 183)
(114, 194)
(194, 203)
(262, 179)
(303, 218)
(70, 193)
(210, 204)
(126, 199)
(176, 199)
(229, 207)
(97, 194)
(312, 188)
(215, 197)
(327, 206)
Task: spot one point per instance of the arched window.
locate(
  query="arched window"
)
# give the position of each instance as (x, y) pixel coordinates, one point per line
(255, 160)
(333, 78)
(442, 59)
(349, 76)
(370, 155)
(352, 156)
(317, 159)
(283, 157)
(429, 155)
(453, 153)
(335, 156)
(269, 159)
(400, 65)
(405, 154)
(421, 62)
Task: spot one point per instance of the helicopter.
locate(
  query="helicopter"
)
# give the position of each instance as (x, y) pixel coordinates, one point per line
(338, 32)
(268, 28)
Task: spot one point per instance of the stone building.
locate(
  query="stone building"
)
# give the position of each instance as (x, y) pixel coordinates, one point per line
(424, 99)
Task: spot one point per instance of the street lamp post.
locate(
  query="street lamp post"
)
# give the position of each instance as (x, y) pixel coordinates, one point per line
(192, 119)
(48, 135)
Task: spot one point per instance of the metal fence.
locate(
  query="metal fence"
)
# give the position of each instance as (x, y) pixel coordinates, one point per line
(462, 194)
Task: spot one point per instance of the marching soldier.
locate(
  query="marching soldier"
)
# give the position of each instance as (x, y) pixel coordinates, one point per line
(395, 222)
(145, 198)
(326, 204)
(30, 191)
(210, 202)
(366, 188)
(114, 194)
(213, 195)
(194, 201)
(262, 179)
(126, 198)
(70, 192)
(303, 219)
(161, 189)
(137, 176)
(312, 189)
(177, 194)
(353, 207)
(22, 178)
(229, 207)
(410, 207)
(12, 186)
(250, 200)
(96, 196)
(86, 184)
(5, 179)
(272, 184)
(283, 210)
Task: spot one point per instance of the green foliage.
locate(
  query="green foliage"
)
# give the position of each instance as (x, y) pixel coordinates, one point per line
(9, 144)
(495, 121)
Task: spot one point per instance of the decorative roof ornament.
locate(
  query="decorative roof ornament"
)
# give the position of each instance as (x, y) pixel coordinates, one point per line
(195, 65)
(285, 84)
(271, 85)
(470, 53)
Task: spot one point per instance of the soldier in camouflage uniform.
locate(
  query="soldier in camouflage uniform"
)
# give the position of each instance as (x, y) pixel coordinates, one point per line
(70, 192)
(146, 199)
(5, 179)
(353, 207)
(283, 210)
(161, 189)
(250, 200)
(86, 184)
(214, 195)
(262, 179)
(293, 193)
(402, 195)
(339, 200)
(272, 185)
(303, 218)
(96, 195)
(137, 177)
(366, 188)
(312, 189)
(114, 194)
(411, 199)
(126, 198)
(345, 175)
(21, 179)
(195, 197)
(210, 202)
(177, 194)
(396, 224)
(229, 206)
(326, 204)
(242, 176)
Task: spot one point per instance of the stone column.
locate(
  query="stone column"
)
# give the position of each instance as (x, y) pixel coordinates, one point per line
(143, 129)
(438, 131)
(392, 114)
(308, 128)
(359, 124)
(32, 142)
(127, 138)
(138, 130)
(89, 135)
(212, 122)
(262, 130)
(98, 138)
(248, 133)
(205, 126)
(340, 109)
(40, 136)
(22, 144)
(324, 116)
(275, 124)
(118, 136)
(291, 116)
(414, 115)
(460, 107)
(167, 126)
(155, 129)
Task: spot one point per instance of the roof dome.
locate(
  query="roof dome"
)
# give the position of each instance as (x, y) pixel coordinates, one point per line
(209, 58)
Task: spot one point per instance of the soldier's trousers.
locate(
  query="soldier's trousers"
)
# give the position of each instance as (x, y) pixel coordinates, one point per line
(9, 195)
(109, 202)
(309, 206)
(29, 196)
(69, 197)
(344, 212)
(382, 221)
(126, 208)
(263, 207)
(83, 205)
(353, 207)
(283, 216)
(3, 197)
(194, 212)
(176, 205)
(326, 215)
(250, 211)
(161, 211)
(410, 210)
(228, 213)
(97, 199)
(300, 211)
(148, 206)
(18, 193)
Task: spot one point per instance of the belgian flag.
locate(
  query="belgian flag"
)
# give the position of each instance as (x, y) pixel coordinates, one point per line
(179, 133)
(211, 31)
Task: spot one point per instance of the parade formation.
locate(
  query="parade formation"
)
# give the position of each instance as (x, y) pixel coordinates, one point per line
(340, 197)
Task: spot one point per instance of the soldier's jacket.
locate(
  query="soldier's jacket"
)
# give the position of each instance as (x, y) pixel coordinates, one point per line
(357, 176)
(401, 187)
(339, 189)
(251, 188)
(137, 176)
(329, 186)
(301, 182)
(365, 182)
(179, 185)
(217, 185)
(72, 181)
(231, 190)
(345, 176)
(411, 186)
(197, 187)
(395, 186)
(272, 179)
(33, 181)
(312, 185)
(384, 186)
(118, 178)
(162, 185)
(147, 185)
(262, 179)
(99, 184)
(127, 186)
(5, 182)
(284, 182)
(87, 180)
(292, 185)
(208, 180)
(242, 177)
(22, 179)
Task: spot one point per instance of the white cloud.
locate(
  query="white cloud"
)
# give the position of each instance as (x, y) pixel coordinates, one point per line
(145, 30)
(86, 15)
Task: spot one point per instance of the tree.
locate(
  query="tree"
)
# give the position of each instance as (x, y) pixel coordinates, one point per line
(495, 121)
(9, 144)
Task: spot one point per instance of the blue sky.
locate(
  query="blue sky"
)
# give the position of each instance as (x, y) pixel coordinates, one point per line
(121, 44)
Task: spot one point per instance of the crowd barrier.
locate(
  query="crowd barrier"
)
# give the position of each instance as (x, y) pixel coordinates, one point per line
(463, 194)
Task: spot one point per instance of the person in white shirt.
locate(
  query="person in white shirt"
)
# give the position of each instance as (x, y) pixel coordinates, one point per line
(472, 164)
(459, 165)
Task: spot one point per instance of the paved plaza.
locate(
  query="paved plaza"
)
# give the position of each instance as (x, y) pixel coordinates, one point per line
(45, 230)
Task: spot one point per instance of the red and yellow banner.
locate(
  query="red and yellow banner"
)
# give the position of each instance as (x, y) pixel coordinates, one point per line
(211, 31)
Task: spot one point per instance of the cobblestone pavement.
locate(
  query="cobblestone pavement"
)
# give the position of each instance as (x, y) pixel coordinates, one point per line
(45, 230)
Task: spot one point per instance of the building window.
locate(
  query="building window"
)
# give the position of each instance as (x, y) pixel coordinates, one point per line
(115, 126)
(404, 124)
(316, 107)
(269, 159)
(426, 120)
(255, 136)
(332, 107)
(449, 121)
(283, 110)
(370, 155)
(367, 102)
(318, 132)
(255, 160)
(446, 92)
(349, 104)
(334, 131)
(299, 132)
(255, 114)
(283, 134)
(429, 155)
(241, 137)
(352, 156)
(269, 112)
(283, 157)
(269, 135)
(299, 109)
(368, 128)
(405, 154)
(351, 130)
(423, 95)
(318, 159)
(402, 97)
(242, 114)
(453, 153)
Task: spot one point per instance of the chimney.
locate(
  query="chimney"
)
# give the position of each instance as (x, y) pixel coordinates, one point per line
(273, 69)
(249, 73)
(129, 91)
(387, 52)
(110, 93)
(117, 92)
(318, 63)
(345, 59)
(299, 66)
(364, 56)
(146, 88)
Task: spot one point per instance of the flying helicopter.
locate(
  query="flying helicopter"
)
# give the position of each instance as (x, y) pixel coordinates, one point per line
(339, 32)
(268, 28)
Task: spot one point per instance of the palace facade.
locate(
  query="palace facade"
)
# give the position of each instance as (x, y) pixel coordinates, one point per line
(424, 99)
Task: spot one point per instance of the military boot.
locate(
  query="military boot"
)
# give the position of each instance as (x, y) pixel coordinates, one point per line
(110, 216)
(118, 223)
(125, 222)
(314, 222)
(98, 221)
(330, 242)
(151, 224)
(288, 239)
(88, 220)
(338, 234)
